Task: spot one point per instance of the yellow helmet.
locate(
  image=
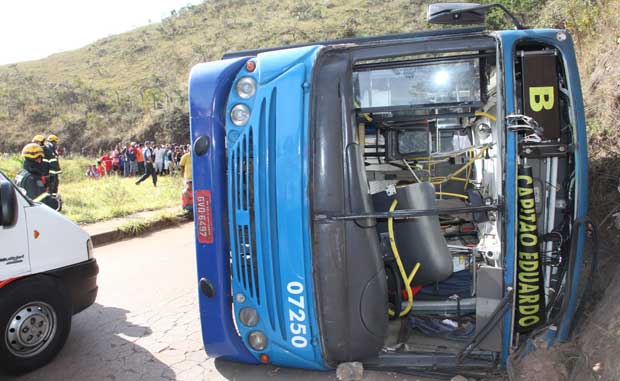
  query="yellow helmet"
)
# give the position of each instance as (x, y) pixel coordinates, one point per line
(52, 138)
(38, 139)
(32, 151)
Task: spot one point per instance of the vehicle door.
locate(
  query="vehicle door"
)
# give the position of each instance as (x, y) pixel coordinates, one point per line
(14, 259)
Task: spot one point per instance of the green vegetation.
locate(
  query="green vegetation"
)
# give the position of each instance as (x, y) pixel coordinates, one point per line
(88, 200)
(96, 200)
(10, 165)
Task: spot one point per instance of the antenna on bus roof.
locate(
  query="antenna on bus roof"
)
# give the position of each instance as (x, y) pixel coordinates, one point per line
(464, 13)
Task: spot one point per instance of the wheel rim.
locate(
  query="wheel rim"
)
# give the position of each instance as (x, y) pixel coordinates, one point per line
(31, 329)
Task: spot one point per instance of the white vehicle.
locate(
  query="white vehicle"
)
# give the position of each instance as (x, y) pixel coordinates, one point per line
(47, 274)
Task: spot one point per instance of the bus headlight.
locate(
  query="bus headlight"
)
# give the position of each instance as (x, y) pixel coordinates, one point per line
(240, 114)
(248, 316)
(257, 340)
(246, 87)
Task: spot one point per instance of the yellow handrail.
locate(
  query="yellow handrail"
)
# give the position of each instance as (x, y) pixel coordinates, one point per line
(401, 267)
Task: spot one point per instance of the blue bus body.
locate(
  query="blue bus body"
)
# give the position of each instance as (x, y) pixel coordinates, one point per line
(259, 240)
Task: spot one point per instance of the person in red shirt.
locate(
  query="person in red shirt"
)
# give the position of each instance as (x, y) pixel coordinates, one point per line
(187, 198)
(106, 161)
(100, 169)
(140, 159)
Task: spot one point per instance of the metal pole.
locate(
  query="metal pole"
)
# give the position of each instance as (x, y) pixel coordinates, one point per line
(406, 213)
(550, 221)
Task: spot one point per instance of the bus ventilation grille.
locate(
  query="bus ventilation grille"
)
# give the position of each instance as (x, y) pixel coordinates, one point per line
(241, 197)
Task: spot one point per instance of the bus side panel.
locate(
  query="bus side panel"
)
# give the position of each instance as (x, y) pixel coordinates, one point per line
(209, 86)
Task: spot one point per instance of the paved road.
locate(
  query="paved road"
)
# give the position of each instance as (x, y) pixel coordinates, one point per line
(145, 324)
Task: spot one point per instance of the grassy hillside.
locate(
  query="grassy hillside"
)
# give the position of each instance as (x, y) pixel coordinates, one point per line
(133, 85)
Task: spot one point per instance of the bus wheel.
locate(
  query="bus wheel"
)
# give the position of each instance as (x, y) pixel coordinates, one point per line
(35, 319)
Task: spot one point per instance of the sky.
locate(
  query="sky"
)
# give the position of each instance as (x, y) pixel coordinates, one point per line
(33, 29)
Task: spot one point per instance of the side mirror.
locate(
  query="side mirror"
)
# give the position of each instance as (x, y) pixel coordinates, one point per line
(8, 204)
(456, 13)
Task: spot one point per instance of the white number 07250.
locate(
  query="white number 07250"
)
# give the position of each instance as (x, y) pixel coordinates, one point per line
(297, 315)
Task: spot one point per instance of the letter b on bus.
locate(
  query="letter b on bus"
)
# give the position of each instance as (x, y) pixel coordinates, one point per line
(541, 98)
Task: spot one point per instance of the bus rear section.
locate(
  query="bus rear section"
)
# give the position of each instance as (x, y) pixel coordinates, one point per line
(413, 202)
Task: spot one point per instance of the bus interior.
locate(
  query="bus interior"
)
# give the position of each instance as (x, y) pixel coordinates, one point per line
(431, 136)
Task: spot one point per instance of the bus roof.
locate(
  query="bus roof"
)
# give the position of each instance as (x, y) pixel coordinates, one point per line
(360, 40)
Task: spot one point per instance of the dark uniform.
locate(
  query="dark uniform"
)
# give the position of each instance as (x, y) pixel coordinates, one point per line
(51, 155)
(31, 183)
(32, 180)
(44, 165)
(47, 156)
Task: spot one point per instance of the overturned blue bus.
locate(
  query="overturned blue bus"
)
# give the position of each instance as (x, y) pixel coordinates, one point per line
(413, 201)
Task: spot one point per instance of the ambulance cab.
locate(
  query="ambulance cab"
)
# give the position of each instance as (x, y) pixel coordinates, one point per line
(47, 274)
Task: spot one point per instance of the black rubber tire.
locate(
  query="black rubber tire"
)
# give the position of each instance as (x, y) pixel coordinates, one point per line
(38, 288)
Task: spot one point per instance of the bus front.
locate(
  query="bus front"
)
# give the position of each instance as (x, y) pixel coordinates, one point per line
(250, 161)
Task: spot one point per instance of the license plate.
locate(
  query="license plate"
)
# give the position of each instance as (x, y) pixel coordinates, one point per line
(204, 216)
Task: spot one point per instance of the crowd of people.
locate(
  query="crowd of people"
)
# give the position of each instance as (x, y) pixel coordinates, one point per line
(143, 160)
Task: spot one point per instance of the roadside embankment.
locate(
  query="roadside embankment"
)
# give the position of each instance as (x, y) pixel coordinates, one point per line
(106, 232)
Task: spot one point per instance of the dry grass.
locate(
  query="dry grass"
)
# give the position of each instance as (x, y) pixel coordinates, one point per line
(134, 228)
(97, 200)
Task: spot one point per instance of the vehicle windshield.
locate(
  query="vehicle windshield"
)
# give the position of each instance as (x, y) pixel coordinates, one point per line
(418, 104)
(426, 84)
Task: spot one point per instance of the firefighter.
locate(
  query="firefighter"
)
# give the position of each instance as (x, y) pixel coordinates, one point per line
(45, 166)
(54, 164)
(31, 177)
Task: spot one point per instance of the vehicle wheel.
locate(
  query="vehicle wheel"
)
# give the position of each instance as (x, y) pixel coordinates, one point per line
(35, 319)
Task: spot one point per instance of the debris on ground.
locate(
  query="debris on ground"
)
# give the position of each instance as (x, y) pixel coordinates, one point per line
(350, 371)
